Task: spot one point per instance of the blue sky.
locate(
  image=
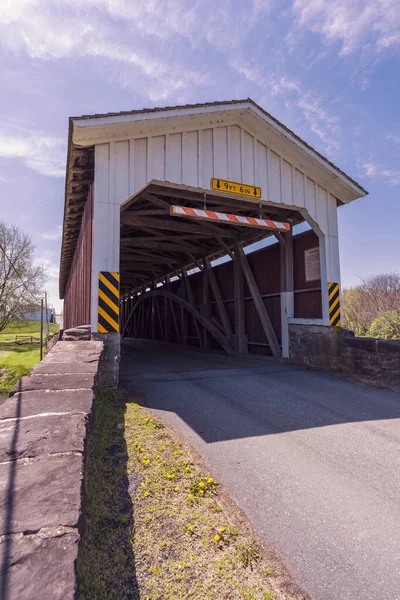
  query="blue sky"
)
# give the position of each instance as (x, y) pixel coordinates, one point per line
(60, 58)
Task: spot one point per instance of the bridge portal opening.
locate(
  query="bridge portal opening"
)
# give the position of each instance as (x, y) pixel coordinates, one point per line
(189, 279)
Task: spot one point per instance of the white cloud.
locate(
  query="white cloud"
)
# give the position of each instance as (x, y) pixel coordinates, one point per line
(40, 152)
(324, 125)
(52, 268)
(350, 22)
(138, 36)
(81, 31)
(374, 170)
(52, 235)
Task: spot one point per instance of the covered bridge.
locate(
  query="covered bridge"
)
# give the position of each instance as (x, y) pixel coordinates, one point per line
(155, 198)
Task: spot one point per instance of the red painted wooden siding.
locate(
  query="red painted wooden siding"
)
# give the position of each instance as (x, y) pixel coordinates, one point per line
(77, 301)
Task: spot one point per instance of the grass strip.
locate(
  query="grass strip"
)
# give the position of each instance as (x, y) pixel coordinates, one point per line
(158, 525)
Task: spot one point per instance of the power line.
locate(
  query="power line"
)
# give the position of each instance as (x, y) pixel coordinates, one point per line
(347, 83)
(378, 154)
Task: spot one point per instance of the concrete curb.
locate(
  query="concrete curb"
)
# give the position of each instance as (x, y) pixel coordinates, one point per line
(43, 431)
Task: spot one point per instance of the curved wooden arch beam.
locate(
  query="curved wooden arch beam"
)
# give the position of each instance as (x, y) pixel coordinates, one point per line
(207, 324)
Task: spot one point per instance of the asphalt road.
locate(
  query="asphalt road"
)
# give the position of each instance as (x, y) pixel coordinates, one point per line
(313, 461)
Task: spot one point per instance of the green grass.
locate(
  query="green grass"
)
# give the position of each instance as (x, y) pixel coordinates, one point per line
(18, 359)
(157, 526)
(27, 328)
(105, 561)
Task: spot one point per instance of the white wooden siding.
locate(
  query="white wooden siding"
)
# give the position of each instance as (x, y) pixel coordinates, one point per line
(228, 152)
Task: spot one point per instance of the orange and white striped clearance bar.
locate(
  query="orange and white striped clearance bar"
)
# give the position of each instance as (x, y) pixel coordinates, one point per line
(210, 215)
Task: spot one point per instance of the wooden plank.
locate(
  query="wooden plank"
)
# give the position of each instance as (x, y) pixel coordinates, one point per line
(226, 325)
(259, 304)
(157, 166)
(153, 245)
(172, 308)
(139, 174)
(219, 336)
(166, 224)
(184, 328)
(220, 147)
(189, 157)
(191, 298)
(174, 158)
(240, 325)
(206, 308)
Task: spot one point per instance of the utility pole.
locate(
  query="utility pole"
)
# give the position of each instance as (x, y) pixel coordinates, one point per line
(41, 329)
(47, 319)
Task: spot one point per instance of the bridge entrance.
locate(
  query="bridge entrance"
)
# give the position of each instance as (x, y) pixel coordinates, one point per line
(177, 206)
(174, 290)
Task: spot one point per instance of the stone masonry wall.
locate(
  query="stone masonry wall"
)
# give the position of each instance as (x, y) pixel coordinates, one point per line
(337, 349)
(43, 431)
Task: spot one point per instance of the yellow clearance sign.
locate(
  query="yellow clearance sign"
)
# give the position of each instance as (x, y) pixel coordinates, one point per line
(243, 189)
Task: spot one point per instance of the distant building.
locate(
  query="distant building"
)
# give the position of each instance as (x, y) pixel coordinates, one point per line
(34, 315)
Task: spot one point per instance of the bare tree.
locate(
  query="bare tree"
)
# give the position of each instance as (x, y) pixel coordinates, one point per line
(377, 296)
(21, 280)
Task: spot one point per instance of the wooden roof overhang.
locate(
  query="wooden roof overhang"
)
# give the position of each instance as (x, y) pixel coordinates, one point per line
(156, 245)
(78, 179)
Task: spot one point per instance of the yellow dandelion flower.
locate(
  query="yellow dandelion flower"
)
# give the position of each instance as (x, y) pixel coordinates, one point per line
(201, 491)
(190, 496)
(201, 484)
(210, 480)
(171, 476)
(158, 456)
(176, 489)
(221, 529)
(146, 494)
(217, 537)
(187, 469)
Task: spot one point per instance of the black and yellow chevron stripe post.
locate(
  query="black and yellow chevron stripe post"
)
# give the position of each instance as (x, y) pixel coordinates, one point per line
(108, 315)
(334, 304)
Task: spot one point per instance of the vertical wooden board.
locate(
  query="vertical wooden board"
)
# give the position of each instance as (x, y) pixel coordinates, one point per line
(220, 153)
(111, 170)
(157, 157)
(332, 215)
(275, 193)
(207, 159)
(190, 158)
(322, 208)
(310, 200)
(248, 166)
(139, 164)
(287, 184)
(121, 171)
(262, 171)
(235, 164)
(173, 165)
(131, 167)
(298, 188)
(101, 174)
(332, 258)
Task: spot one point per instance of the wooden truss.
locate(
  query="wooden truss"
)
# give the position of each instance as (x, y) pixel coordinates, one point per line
(157, 248)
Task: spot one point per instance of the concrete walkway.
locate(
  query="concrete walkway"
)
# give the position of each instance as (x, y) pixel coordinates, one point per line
(313, 461)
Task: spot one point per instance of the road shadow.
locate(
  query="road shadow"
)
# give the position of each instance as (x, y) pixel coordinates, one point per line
(230, 403)
(106, 566)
